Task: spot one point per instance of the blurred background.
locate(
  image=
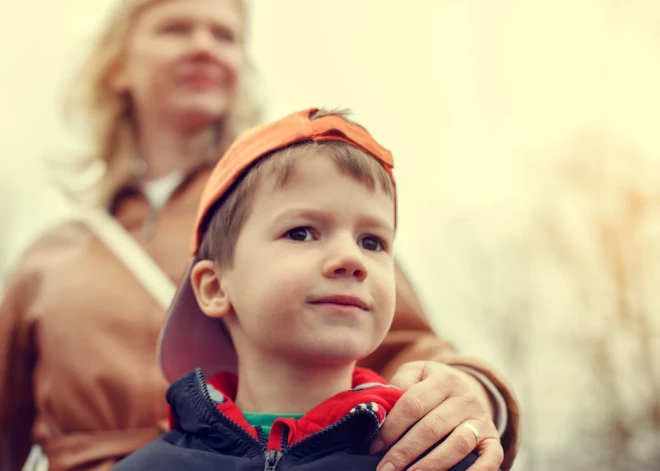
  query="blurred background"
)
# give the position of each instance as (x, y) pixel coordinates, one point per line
(528, 160)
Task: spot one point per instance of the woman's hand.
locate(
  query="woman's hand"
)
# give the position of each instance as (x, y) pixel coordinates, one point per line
(438, 400)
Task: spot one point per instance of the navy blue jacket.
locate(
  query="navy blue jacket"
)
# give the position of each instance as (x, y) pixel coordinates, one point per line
(209, 431)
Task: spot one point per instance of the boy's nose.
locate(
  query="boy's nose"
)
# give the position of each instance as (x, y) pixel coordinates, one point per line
(346, 261)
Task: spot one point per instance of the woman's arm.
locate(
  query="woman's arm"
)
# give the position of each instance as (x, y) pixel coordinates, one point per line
(16, 365)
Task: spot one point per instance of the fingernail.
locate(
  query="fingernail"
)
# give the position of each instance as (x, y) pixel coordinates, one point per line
(388, 467)
(376, 447)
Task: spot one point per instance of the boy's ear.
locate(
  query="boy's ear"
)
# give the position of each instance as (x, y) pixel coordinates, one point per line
(207, 284)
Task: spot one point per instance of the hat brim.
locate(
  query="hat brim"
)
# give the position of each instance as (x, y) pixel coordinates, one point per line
(190, 339)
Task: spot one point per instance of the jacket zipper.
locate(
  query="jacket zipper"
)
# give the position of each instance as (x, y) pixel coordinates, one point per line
(273, 457)
(200, 377)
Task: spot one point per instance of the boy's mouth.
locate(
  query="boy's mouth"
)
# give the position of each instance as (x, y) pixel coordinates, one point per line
(342, 300)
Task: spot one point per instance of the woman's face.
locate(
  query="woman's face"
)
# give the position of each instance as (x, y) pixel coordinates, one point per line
(183, 60)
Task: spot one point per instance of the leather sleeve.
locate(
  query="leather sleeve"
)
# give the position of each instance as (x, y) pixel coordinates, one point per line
(18, 346)
(16, 364)
(411, 338)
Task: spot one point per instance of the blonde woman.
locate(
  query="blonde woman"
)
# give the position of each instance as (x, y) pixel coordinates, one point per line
(163, 92)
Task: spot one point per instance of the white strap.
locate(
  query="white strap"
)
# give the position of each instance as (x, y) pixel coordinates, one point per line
(36, 460)
(131, 254)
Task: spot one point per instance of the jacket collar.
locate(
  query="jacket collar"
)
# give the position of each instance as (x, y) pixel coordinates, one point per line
(347, 419)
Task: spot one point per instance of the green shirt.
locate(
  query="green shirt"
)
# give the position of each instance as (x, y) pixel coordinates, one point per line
(265, 421)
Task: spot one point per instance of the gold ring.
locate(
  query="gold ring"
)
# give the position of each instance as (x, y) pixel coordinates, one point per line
(472, 429)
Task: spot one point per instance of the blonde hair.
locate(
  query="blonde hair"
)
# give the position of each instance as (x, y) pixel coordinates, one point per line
(226, 218)
(108, 114)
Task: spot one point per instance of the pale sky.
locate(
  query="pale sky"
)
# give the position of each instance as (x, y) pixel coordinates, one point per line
(469, 95)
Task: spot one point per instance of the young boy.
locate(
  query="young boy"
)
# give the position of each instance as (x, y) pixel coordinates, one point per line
(291, 282)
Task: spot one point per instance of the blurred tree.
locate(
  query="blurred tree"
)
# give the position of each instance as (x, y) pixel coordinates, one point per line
(592, 218)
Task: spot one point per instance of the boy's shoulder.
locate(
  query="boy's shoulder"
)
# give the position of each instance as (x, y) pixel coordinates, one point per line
(174, 451)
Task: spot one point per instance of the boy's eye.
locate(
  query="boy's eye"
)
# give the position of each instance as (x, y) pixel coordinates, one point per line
(300, 234)
(372, 243)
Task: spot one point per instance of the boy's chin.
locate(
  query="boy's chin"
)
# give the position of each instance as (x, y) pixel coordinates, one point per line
(334, 354)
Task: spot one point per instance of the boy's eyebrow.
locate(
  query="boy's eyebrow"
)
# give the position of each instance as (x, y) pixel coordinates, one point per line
(320, 216)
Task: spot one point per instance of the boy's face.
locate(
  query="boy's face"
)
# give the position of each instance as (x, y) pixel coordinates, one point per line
(313, 273)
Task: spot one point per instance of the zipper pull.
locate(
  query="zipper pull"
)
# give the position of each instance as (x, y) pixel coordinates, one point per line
(272, 458)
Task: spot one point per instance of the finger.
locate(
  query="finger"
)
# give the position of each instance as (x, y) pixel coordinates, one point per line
(408, 375)
(491, 455)
(425, 434)
(458, 445)
(415, 403)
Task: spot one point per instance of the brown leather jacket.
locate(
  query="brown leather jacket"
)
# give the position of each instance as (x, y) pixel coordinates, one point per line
(78, 369)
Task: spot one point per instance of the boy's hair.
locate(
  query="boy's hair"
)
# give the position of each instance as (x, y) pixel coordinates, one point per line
(226, 219)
